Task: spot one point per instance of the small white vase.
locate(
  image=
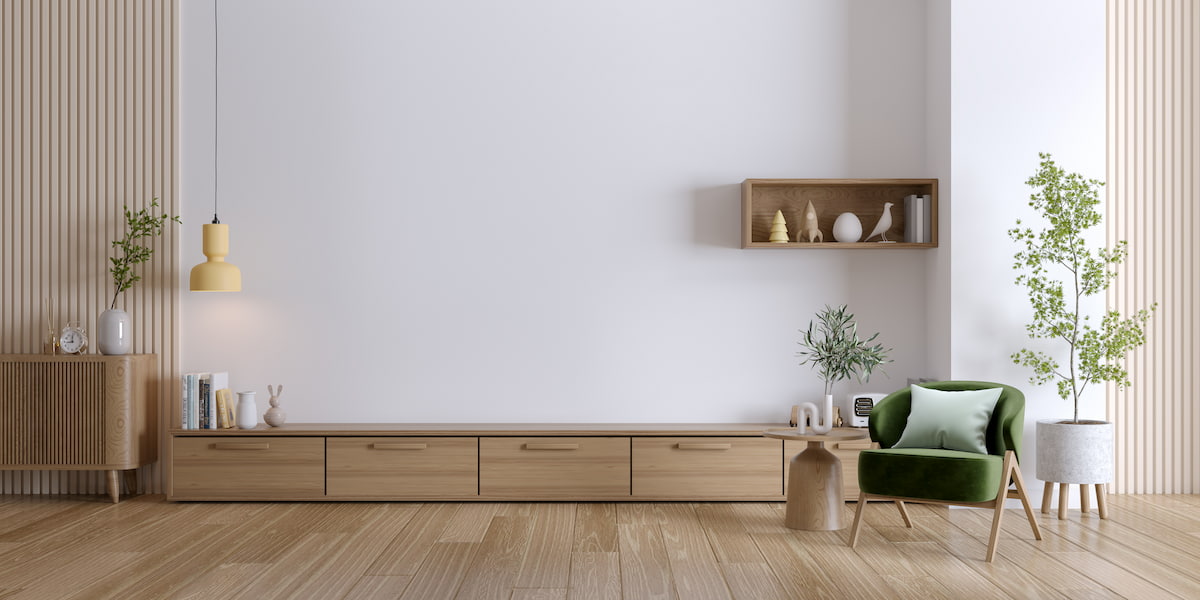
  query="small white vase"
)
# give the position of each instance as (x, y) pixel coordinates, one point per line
(115, 332)
(247, 411)
(1074, 452)
(847, 228)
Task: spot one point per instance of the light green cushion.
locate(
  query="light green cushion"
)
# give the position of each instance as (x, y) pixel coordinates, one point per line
(950, 420)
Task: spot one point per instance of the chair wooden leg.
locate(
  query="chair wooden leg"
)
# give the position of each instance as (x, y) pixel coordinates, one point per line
(1101, 492)
(858, 513)
(1047, 497)
(1019, 481)
(1085, 498)
(904, 514)
(1006, 473)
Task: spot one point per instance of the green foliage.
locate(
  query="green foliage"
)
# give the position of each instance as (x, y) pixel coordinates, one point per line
(132, 250)
(1068, 203)
(833, 348)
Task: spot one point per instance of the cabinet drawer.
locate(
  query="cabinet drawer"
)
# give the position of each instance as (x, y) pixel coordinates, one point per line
(554, 467)
(248, 468)
(402, 466)
(847, 452)
(707, 467)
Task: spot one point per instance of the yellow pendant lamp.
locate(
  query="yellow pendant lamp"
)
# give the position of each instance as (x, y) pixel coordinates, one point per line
(214, 274)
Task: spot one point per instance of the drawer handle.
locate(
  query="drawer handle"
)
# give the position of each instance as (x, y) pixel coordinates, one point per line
(398, 446)
(703, 446)
(536, 446)
(242, 446)
(854, 445)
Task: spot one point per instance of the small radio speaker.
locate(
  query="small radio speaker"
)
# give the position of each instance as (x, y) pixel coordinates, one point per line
(857, 408)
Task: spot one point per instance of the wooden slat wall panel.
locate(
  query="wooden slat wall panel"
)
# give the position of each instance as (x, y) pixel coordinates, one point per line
(1153, 192)
(88, 123)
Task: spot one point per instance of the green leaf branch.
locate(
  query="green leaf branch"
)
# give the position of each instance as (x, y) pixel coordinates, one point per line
(132, 248)
(833, 348)
(1059, 269)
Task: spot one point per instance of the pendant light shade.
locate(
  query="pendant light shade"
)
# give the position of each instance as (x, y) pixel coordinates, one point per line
(214, 274)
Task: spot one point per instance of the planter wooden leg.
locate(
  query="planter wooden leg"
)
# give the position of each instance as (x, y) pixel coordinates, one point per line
(1085, 499)
(1047, 497)
(1101, 491)
(1064, 492)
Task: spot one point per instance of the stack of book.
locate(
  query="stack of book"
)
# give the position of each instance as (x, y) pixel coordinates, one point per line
(207, 401)
(917, 219)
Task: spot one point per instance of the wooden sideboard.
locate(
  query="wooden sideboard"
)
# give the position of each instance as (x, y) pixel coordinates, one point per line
(88, 412)
(488, 462)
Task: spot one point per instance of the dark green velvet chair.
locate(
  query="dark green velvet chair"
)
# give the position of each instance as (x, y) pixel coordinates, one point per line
(940, 476)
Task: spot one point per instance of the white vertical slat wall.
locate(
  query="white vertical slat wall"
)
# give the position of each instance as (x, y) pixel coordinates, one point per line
(88, 123)
(1153, 193)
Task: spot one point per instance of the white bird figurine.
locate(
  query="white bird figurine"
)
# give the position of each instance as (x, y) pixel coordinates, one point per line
(884, 224)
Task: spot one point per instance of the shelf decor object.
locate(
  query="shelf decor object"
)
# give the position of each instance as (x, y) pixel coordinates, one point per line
(810, 228)
(865, 199)
(847, 228)
(779, 233)
(214, 274)
(79, 413)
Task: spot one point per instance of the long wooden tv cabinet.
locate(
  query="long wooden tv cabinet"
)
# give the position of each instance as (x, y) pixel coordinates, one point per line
(487, 462)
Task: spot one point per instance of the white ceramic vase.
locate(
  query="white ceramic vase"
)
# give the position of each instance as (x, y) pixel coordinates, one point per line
(247, 411)
(115, 333)
(1074, 452)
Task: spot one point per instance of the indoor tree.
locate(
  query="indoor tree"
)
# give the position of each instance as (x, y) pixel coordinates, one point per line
(1059, 270)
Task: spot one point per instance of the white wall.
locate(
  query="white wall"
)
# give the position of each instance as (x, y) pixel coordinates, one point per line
(528, 211)
(1026, 77)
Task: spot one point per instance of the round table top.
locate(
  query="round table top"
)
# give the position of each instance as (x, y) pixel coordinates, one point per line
(841, 434)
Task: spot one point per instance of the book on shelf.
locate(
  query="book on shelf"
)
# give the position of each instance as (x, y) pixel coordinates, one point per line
(201, 404)
(917, 227)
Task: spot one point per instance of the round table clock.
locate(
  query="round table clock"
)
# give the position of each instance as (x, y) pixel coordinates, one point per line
(73, 339)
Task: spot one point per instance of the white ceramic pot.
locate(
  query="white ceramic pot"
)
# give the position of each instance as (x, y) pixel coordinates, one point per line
(847, 228)
(115, 332)
(247, 411)
(1074, 452)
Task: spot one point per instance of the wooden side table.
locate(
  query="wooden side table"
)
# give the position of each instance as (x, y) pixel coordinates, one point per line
(814, 499)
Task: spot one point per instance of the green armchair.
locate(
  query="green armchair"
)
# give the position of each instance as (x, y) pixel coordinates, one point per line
(936, 475)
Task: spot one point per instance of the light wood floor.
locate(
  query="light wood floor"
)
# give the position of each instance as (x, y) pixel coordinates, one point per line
(56, 547)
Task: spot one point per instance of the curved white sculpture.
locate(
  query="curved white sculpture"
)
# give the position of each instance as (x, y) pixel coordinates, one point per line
(808, 411)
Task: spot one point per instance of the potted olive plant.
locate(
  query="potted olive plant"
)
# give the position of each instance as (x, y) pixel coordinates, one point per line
(832, 346)
(1059, 270)
(116, 336)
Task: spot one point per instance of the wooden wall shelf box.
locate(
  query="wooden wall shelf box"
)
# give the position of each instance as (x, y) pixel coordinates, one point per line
(88, 412)
(830, 198)
(490, 462)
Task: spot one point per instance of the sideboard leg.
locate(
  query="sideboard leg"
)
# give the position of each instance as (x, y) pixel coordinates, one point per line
(114, 487)
(131, 481)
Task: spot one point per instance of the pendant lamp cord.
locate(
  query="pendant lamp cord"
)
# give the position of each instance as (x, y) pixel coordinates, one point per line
(216, 107)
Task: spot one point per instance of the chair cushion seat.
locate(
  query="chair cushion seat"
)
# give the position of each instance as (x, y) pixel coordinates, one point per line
(932, 474)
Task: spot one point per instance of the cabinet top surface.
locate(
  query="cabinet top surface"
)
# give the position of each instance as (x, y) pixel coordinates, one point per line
(494, 429)
(69, 357)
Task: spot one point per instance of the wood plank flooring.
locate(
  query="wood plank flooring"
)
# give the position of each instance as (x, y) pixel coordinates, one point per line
(85, 548)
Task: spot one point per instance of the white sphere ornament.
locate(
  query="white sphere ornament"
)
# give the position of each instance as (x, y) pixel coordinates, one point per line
(847, 228)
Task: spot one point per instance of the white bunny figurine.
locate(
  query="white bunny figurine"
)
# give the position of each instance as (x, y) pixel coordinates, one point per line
(274, 416)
